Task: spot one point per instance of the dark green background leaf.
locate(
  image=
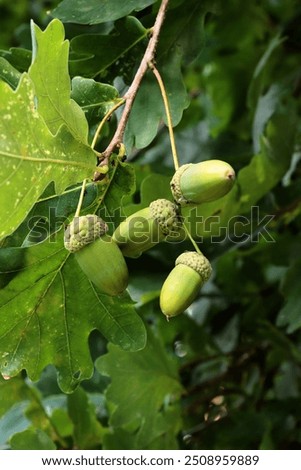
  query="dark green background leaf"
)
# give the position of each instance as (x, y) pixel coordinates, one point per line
(32, 440)
(94, 98)
(49, 214)
(148, 109)
(289, 315)
(8, 73)
(184, 28)
(149, 384)
(111, 211)
(95, 11)
(96, 53)
(87, 430)
(18, 57)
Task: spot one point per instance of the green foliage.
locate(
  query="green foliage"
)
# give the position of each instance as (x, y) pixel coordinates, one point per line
(95, 54)
(52, 90)
(290, 313)
(95, 98)
(149, 379)
(49, 314)
(141, 132)
(87, 430)
(89, 12)
(9, 74)
(32, 440)
(32, 157)
(82, 370)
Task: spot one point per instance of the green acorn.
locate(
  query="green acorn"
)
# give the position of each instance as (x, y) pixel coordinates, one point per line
(97, 254)
(196, 183)
(145, 228)
(183, 283)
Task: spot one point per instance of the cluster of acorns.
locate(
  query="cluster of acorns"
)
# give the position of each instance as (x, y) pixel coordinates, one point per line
(101, 257)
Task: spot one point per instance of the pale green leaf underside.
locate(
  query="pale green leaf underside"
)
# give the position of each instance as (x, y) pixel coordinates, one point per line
(48, 311)
(31, 157)
(49, 72)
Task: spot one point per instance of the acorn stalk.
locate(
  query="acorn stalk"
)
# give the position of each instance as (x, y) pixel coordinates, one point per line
(197, 183)
(184, 282)
(145, 228)
(97, 254)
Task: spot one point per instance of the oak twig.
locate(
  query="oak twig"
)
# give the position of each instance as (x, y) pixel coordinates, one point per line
(130, 95)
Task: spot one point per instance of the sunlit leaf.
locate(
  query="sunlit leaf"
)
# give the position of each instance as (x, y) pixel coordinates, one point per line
(52, 86)
(31, 156)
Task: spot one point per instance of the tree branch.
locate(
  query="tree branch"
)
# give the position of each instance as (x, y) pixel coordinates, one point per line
(130, 95)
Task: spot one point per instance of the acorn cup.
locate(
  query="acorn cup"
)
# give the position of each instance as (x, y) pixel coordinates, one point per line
(196, 183)
(97, 254)
(183, 283)
(145, 228)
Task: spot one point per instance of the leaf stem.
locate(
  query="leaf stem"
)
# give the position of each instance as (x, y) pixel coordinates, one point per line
(130, 95)
(104, 120)
(191, 239)
(81, 198)
(168, 114)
